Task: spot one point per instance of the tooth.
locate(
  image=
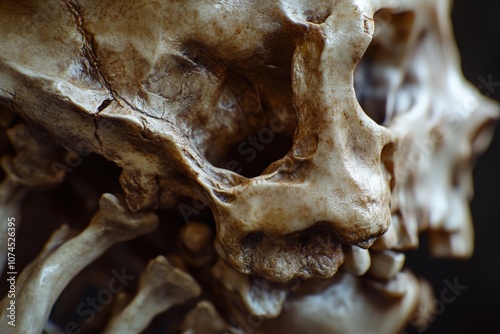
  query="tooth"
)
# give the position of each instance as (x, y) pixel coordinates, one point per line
(357, 260)
(396, 287)
(386, 264)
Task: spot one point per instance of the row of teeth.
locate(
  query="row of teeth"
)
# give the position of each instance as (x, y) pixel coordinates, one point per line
(382, 269)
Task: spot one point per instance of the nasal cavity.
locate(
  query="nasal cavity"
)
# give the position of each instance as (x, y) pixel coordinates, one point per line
(257, 133)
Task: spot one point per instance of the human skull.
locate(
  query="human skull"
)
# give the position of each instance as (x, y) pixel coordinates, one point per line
(374, 128)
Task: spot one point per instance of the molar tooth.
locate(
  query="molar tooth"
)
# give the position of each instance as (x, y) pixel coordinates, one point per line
(357, 260)
(386, 264)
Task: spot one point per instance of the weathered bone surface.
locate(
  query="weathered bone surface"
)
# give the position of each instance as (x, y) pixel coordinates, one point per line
(382, 130)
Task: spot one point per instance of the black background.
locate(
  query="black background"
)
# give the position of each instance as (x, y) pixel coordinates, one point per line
(477, 309)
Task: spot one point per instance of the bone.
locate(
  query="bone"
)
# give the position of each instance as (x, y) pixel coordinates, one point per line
(261, 298)
(437, 143)
(455, 236)
(357, 260)
(204, 319)
(161, 287)
(57, 238)
(458, 244)
(196, 244)
(386, 264)
(337, 306)
(50, 274)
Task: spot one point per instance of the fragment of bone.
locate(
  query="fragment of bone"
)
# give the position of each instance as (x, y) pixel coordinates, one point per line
(161, 287)
(196, 244)
(204, 319)
(48, 275)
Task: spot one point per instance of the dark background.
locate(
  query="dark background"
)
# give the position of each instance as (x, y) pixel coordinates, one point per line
(477, 309)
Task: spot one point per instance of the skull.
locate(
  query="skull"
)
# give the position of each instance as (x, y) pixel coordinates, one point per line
(174, 91)
(356, 110)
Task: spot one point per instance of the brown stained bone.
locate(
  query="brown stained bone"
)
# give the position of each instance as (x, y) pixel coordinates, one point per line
(47, 276)
(137, 116)
(260, 297)
(162, 286)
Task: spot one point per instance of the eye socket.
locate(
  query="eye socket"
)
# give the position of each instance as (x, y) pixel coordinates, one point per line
(379, 73)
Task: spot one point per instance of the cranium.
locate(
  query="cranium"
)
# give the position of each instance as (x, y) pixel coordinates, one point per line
(366, 94)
